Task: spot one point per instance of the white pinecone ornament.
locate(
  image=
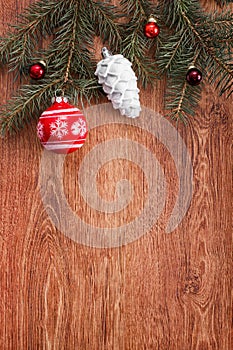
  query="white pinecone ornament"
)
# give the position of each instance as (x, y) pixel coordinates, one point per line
(119, 82)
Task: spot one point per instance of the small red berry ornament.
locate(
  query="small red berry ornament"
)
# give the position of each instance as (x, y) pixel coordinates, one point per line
(37, 70)
(194, 76)
(151, 29)
(62, 128)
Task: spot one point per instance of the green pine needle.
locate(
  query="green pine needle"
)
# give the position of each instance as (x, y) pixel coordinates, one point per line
(188, 36)
(222, 3)
(135, 46)
(193, 38)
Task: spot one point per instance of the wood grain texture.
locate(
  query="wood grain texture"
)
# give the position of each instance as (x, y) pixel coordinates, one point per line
(163, 291)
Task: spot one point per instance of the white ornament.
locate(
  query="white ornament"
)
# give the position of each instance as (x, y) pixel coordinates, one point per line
(119, 83)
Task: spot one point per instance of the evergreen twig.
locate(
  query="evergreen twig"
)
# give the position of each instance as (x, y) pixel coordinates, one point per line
(223, 2)
(188, 36)
(70, 62)
(193, 37)
(38, 21)
(135, 46)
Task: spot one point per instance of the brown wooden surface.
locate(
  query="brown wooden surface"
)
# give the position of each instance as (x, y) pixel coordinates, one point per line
(162, 291)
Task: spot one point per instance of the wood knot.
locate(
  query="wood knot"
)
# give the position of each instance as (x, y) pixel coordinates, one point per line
(192, 283)
(218, 114)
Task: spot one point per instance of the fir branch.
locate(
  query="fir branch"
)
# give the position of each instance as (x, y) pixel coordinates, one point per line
(135, 46)
(173, 51)
(176, 54)
(182, 100)
(188, 35)
(220, 27)
(104, 20)
(22, 108)
(133, 8)
(38, 20)
(226, 73)
(71, 45)
(179, 110)
(33, 99)
(193, 37)
(222, 3)
(83, 90)
(68, 54)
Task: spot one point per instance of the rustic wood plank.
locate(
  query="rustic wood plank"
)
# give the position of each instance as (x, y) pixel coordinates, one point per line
(163, 291)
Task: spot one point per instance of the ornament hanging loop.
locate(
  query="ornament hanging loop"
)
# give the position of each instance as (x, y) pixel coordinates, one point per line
(59, 96)
(59, 93)
(105, 52)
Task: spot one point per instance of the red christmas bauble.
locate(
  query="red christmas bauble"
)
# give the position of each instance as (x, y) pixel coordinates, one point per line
(62, 128)
(194, 76)
(37, 71)
(151, 29)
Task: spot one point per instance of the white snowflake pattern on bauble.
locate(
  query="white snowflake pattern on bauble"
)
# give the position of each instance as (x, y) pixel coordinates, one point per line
(79, 127)
(40, 130)
(59, 128)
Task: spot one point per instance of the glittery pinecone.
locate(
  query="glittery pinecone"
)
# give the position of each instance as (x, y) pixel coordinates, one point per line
(119, 83)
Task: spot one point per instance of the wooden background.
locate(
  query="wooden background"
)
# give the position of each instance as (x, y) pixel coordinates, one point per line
(162, 291)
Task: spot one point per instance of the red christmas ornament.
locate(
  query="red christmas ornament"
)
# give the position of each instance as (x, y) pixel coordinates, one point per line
(194, 76)
(62, 128)
(151, 29)
(37, 70)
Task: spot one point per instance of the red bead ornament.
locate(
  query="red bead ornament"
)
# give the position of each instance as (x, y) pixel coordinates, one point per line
(37, 70)
(194, 76)
(151, 29)
(62, 128)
